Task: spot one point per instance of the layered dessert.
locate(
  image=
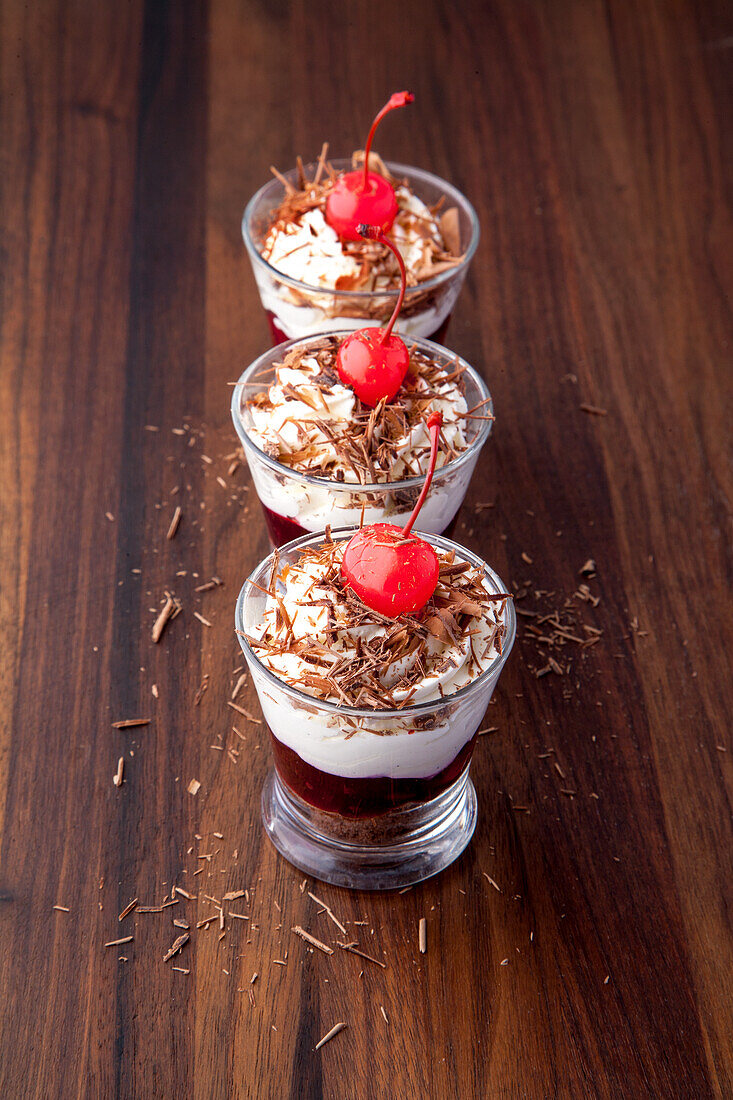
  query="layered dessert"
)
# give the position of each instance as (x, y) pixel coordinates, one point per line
(319, 455)
(313, 274)
(374, 713)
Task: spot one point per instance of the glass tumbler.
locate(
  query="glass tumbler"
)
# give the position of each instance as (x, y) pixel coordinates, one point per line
(364, 798)
(296, 309)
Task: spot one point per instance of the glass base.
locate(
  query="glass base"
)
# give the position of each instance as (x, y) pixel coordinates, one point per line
(396, 849)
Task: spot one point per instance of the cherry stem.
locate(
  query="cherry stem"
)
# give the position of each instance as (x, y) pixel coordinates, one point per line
(398, 99)
(374, 233)
(435, 422)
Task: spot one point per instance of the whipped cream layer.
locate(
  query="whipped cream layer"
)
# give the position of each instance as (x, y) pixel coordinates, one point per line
(316, 635)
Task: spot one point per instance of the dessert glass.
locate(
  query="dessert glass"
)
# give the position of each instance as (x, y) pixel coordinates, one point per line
(297, 309)
(385, 799)
(295, 503)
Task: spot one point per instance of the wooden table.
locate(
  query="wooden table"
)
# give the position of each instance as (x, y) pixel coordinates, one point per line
(582, 946)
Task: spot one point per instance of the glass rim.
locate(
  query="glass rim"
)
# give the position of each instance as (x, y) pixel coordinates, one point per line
(467, 690)
(396, 169)
(356, 486)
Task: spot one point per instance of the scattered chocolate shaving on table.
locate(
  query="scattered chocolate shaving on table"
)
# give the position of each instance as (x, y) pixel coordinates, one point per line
(174, 522)
(215, 582)
(330, 1034)
(423, 935)
(354, 950)
(311, 939)
(157, 908)
(177, 946)
(239, 685)
(552, 632)
(202, 689)
(171, 608)
(130, 723)
(246, 713)
(329, 913)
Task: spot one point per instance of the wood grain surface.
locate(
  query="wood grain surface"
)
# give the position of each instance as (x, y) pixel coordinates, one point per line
(594, 141)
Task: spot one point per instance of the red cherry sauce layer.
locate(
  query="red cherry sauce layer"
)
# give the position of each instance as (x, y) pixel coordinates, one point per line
(366, 797)
(282, 530)
(279, 337)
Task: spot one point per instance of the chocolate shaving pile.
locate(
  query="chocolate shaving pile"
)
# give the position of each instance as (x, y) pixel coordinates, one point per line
(440, 232)
(353, 678)
(368, 444)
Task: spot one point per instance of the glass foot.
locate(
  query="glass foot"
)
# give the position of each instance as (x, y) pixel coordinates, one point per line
(396, 849)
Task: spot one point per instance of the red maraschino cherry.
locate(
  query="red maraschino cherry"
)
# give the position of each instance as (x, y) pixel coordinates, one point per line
(392, 571)
(373, 361)
(365, 197)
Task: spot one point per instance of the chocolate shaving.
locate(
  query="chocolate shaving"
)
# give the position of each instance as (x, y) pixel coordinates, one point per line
(377, 267)
(451, 230)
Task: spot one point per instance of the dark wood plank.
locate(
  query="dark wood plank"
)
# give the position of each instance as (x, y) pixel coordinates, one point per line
(592, 139)
(68, 139)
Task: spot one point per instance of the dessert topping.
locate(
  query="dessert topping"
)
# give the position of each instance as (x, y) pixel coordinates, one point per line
(309, 421)
(300, 243)
(319, 636)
